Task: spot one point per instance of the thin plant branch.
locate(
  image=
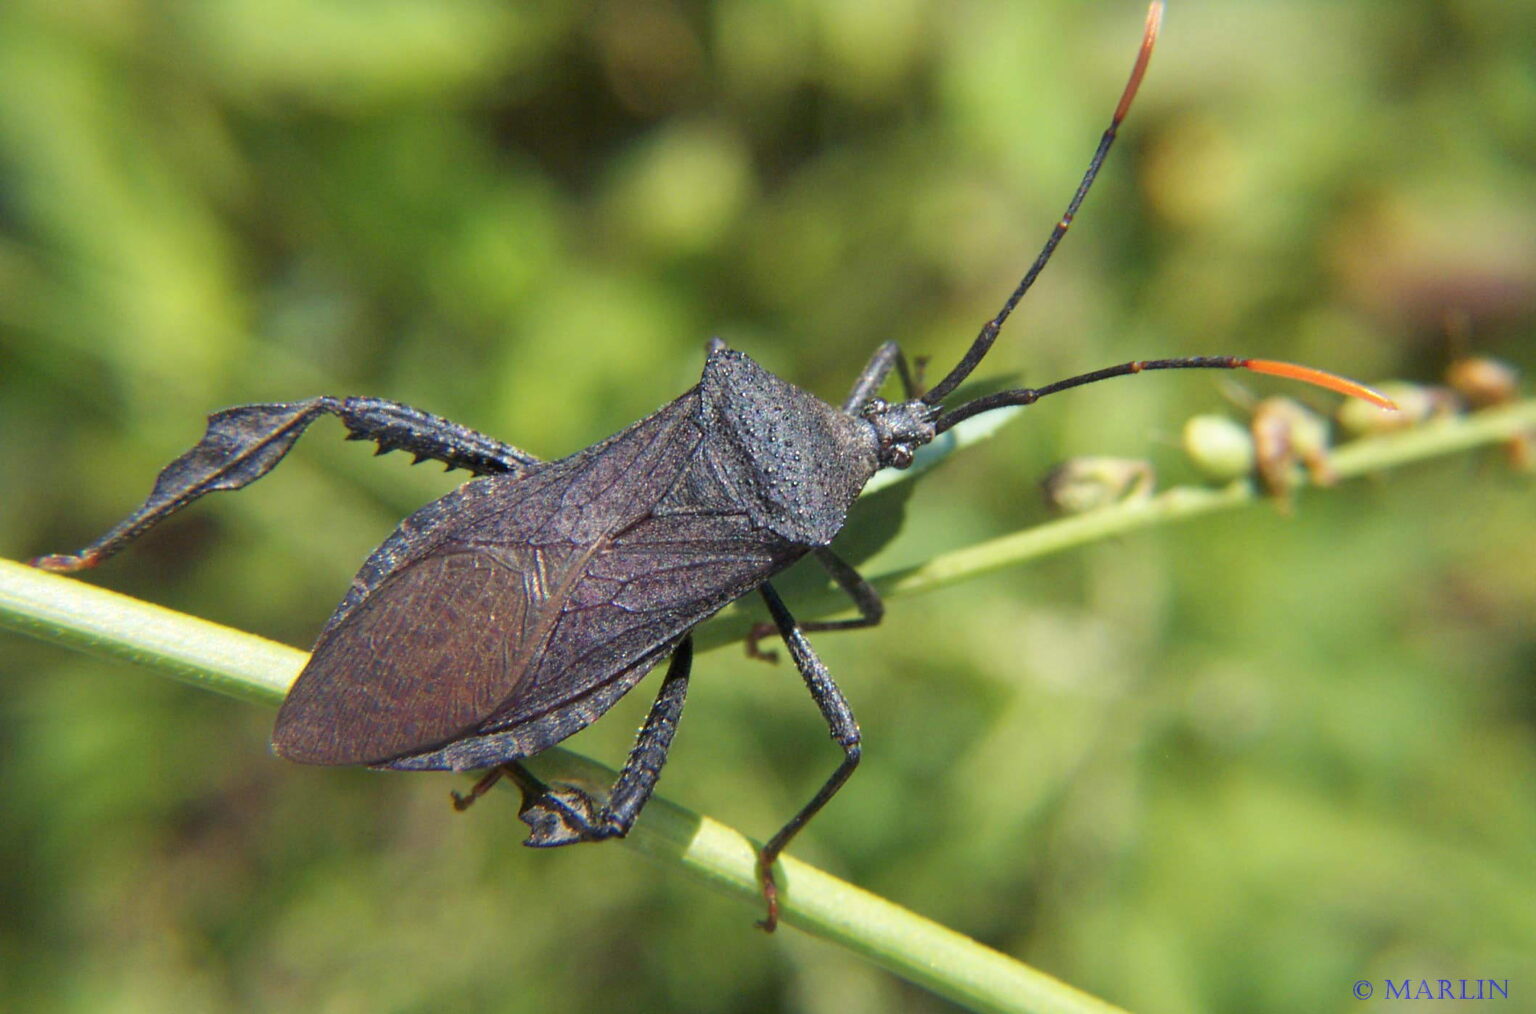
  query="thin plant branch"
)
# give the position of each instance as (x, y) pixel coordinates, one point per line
(72, 613)
(1349, 461)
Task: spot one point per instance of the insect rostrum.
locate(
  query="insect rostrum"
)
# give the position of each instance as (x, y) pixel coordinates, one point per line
(517, 609)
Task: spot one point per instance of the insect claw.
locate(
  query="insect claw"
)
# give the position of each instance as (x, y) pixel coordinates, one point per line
(754, 636)
(463, 801)
(564, 816)
(64, 563)
(770, 887)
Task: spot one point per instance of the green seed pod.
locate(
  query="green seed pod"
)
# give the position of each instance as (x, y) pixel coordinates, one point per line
(1416, 404)
(1219, 447)
(1080, 485)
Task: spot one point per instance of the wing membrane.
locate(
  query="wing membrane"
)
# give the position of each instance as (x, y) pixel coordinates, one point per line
(428, 654)
(636, 593)
(514, 597)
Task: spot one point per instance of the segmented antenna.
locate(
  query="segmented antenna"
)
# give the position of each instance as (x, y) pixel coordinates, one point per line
(988, 335)
(1029, 395)
(1291, 371)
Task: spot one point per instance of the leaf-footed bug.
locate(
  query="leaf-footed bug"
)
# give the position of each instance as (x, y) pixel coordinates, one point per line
(512, 612)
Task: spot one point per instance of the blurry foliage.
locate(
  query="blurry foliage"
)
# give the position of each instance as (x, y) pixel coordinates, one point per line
(1232, 766)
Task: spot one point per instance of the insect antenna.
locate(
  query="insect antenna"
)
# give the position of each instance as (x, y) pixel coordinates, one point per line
(989, 332)
(1291, 371)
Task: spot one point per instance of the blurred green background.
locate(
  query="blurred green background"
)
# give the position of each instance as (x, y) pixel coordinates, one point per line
(1233, 765)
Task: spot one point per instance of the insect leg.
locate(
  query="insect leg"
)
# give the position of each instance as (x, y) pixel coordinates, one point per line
(864, 596)
(844, 729)
(397, 427)
(462, 802)
(871, 609)
(246, 442)
(565, 814)
(886, 357)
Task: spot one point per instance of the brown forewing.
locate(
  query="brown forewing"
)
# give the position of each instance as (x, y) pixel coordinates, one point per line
(519, 595)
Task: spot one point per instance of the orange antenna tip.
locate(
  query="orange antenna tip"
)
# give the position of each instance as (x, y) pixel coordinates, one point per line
(1321, 378)
(1148, 40)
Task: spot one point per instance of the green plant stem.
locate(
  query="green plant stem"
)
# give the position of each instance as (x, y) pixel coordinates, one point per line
(1353, 460)
(76, 614)
(73, 613)
(205, 654)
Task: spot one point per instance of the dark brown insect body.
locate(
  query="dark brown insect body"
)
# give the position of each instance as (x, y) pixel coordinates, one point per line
(517, 609)
(522, 606)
